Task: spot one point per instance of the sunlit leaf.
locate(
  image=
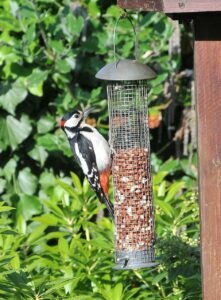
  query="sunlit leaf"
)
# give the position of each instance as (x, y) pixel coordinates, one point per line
(12, 95)
(45, 124)
(39, 154)
(34, 82)
(9, 168)
(28, 206)
(63, 247)
(27, 181)
(13, 132)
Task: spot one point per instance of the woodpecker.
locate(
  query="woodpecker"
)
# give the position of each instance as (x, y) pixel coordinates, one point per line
(91, 151)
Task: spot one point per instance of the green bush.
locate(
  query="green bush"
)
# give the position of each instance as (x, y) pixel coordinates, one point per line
(53, 244)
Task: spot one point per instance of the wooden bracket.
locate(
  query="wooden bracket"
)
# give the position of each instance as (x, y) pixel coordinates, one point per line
(172, 6)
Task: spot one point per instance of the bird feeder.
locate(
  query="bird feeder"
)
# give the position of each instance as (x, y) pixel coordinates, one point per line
(127, 93)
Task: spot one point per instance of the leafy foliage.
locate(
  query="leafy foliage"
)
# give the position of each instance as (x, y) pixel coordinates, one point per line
(54, 243)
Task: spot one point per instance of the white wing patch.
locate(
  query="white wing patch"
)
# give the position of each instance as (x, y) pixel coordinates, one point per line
(101, 148)
(82, 160)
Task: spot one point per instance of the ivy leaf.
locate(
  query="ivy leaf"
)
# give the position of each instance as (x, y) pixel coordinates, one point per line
(63, 66)
(39, 154)
(28, 206)
(35, 81)
(2, 185)
(47, 179)
(55, 142)
(13, 132)
(57, 46)
(45, 124)
(72, 26)
(27, 181)
(9, 168)
(11, 95)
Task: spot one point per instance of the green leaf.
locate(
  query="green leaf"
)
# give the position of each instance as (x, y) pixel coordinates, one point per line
(170, 166)
(162, 189)
(8, 232)
(12, 95)
(113, 11)
(63, 247)
(63, 66)
(37, 233)
(159, 277)
(86, 186)
(28, 206)
(47, 179)
(8, 23)
(27, 181)
(47, 219)
(15, 262)
(6, 208)
(174, 189)
(2, 185)
(165, 207)
(118, 291)
(39, 154)
(34, 82)
(93, 9)
(13, 132)
(76, 182)
(21, 225)
(30, 34)
(57, 46)
(55, 142)
(45, 124)
(9, 169)
(72, 26)
(54, 208)
(157, 179)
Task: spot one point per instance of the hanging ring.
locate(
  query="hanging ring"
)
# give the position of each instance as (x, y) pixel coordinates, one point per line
(136, 46)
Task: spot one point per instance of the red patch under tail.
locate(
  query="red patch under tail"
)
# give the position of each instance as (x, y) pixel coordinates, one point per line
(104, 180)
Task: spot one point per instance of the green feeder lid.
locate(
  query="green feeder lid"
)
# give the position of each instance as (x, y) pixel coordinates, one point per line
(125, 70)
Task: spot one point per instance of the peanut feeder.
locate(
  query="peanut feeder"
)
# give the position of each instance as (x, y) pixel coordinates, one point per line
(127, 92)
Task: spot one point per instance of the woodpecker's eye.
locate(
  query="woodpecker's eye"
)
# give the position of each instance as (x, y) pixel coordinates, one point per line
(76, 116)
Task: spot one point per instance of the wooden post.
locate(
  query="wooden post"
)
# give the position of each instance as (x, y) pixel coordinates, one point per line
(207, 53)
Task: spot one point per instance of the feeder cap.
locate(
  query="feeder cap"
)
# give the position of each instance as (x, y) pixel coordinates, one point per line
(125, 70)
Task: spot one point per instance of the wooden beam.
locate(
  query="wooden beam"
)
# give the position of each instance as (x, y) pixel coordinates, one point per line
(172, 6)
(207, 52)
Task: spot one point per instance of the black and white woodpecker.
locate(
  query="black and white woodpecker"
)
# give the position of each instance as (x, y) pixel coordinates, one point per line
(91, 151)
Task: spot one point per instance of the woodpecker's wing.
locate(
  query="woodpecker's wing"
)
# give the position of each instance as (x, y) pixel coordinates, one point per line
(85, 156)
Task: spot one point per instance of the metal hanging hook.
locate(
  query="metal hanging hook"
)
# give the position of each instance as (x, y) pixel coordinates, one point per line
(136, 46)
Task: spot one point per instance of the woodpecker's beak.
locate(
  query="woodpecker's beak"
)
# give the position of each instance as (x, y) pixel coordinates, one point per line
(87, 111)
(61, 123)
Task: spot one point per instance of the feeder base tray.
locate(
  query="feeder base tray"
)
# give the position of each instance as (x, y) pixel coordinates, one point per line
(136, 259)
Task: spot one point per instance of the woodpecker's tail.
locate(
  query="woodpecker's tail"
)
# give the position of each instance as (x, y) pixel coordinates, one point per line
(103, 198)
(97, 184)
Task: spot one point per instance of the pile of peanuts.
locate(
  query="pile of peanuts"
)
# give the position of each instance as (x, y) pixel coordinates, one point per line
(133, 199)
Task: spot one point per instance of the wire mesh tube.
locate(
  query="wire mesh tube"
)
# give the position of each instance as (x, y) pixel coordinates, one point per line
(129, 140)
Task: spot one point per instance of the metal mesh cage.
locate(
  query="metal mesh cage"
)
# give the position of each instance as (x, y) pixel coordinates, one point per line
(129, 140)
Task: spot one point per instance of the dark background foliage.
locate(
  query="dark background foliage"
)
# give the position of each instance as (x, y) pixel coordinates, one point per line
(54, 243)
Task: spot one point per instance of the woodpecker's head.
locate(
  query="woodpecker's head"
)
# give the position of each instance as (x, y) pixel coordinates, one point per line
(74, 120)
